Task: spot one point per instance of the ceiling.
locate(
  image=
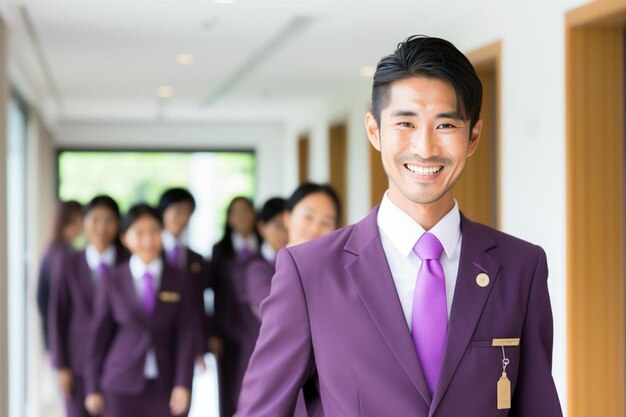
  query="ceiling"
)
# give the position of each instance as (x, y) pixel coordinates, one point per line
(253, 59)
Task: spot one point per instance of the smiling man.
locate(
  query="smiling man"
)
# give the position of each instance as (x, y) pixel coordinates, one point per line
(415, 310)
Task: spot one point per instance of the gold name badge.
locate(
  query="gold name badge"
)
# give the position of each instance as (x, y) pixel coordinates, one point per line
(505, 342)
(169, 297)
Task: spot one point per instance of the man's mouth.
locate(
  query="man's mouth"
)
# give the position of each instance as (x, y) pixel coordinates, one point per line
(420, 170)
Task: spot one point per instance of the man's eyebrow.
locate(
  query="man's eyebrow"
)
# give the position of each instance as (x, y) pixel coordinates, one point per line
(410, 113)
(450, 115)
(403, 113)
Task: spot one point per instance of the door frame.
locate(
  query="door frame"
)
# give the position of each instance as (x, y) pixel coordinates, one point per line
(594, 72)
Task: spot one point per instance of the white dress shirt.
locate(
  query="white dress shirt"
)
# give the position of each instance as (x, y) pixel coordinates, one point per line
(137, 270)
(94, 258)
(268, 253)
(399, 233)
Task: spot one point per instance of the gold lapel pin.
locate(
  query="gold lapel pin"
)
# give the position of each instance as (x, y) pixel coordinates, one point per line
(482, 280)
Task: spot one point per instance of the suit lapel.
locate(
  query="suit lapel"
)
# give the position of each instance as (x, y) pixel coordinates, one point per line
(469, 300)
(372, 278)
(132, 299)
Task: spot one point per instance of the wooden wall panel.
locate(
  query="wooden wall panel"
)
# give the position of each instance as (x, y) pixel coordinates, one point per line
(303, 158)
(338, 159)
(595, 213)
(476, 191)
(378, 179)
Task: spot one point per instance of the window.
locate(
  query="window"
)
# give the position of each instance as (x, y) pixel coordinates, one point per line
(214, 178)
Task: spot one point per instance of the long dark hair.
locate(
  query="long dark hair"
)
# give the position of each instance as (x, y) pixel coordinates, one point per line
(64, 214)
(109, 203)
(226, 242)
(423, 56)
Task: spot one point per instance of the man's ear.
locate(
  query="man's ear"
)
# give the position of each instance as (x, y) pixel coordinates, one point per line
(373, 133)
(474, 138)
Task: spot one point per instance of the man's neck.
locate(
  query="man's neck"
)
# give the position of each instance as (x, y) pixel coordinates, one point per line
(426, 215)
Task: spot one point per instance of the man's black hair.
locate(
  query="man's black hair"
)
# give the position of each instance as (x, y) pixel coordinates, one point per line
(423, 56)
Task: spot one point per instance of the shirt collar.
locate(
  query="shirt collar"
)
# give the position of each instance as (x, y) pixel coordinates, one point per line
(138, 268)
(169, 241)
(240, 242)
(404, 232)
(94, 258)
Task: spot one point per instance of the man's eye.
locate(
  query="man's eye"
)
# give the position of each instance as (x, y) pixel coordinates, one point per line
(405, 124)
(446, 126)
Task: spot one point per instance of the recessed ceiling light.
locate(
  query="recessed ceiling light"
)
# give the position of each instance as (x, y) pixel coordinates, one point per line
(165, 91)
(209, 21)
(368, 72)
(224, 1)
(184, 59)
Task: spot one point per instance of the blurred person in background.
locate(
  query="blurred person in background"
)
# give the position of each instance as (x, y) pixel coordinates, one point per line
(261, 266)
(67, 227)
(73, 293)
(176, 206)
(229, 256)
(140, 356)
(311, 212)
(258, 273)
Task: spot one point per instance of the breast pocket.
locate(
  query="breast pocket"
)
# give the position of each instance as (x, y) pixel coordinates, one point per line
(490, 361)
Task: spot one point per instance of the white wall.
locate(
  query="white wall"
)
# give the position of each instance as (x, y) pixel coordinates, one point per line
(43, 397)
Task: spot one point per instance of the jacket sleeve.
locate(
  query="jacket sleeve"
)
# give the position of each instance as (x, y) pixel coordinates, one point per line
(283, 354)
(535, 393)
(101, 334)
(59, 313)
(185, 338)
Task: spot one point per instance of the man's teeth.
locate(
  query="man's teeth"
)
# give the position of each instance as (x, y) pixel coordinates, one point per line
(423, 170)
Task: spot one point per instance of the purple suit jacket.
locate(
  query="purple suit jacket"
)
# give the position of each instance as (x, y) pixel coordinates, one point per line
(334, 318)
(258, 282)
(122, 333)
(71, 309)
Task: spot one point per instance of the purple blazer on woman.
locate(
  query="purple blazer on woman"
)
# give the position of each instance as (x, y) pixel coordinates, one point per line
(259, 275)
(71, 309)
(122, 333)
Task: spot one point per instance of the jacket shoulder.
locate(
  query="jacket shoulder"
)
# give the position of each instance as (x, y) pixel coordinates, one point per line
(327, 245)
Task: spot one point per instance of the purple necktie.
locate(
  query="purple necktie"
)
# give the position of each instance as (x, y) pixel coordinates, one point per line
(430, 314)
(173, 256)
(245, 252)
(103, 269)
(149, 296)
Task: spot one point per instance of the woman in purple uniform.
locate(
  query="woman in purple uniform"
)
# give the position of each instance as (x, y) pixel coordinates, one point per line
(73, 291)
(141, 351)
(67, 226)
